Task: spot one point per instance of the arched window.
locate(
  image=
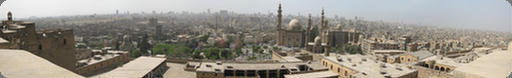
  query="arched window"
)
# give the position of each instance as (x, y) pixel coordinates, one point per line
(436, 67)
(338, 70)
(331, 66)
(442, 68)
(346, 74)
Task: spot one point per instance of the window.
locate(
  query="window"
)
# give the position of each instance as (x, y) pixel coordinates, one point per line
(338, 70)
(346, 74)
(40, 47)
(64, 42)
(331, 66)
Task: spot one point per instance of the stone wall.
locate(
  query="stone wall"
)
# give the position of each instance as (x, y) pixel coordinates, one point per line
(58, 47)
(430, 73)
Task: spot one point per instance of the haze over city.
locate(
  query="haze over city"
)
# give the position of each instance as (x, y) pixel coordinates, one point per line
(255, 39)
(474, 14)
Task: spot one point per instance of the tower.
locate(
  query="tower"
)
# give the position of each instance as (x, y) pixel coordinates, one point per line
(323, 21)
(279, 17)
(9, 16)
(279, 31)
(310, 22)
(308, 32)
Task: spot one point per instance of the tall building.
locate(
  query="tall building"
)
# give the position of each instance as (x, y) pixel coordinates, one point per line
(158, 28)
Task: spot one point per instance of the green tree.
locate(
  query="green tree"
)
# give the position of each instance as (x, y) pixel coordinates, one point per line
(352, 49)
(217, 53)
(135, 54)
(203, 38)
(252, 58)
(177, 50)
(257, 49)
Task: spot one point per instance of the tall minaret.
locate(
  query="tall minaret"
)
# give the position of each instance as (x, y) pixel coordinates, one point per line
(308, 32)
(9, 16)
(309, 22)
(279, 17)
(323, 20)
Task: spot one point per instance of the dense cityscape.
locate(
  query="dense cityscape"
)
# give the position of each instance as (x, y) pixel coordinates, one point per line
(227, 44)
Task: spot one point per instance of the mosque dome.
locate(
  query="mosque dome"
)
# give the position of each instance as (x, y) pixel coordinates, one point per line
(294, 25)
(314, 28)
(338, 27)
(317, 40)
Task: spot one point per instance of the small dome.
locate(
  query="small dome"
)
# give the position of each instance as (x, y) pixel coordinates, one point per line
(317, 40)
(338, 27)
(294, 25)
(314, 28)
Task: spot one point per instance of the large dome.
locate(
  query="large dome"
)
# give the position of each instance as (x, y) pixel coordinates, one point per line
(294, 25)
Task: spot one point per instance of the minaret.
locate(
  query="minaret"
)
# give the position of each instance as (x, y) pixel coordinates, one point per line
(308, 32)
(309, 22)
(9, 16)
(323, 23)
(279, 17)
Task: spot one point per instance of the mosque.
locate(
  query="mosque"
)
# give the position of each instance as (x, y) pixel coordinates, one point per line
(315, 38)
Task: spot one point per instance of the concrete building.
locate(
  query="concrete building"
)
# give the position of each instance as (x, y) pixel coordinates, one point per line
(319, 74)
(24, 64)
(364, 66)
(102, 61)
(142, 67)
(283, 56)
(413, 57)
(253, 70)
(368, 45)
(436, 66)
(387, 52)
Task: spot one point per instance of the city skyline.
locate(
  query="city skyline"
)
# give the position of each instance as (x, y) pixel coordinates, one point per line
(255, 39)
(490, 14)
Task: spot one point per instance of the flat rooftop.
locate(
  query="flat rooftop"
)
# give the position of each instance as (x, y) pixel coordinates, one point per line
(2, 40)
(320, 74)
(497, 64)
(214, 67)
(134, 69)
(290, 59)
(110, 54)
(389, 51)
(23, 64)
(367, 66)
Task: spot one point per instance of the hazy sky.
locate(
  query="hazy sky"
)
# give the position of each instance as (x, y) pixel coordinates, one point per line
(475, 14)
